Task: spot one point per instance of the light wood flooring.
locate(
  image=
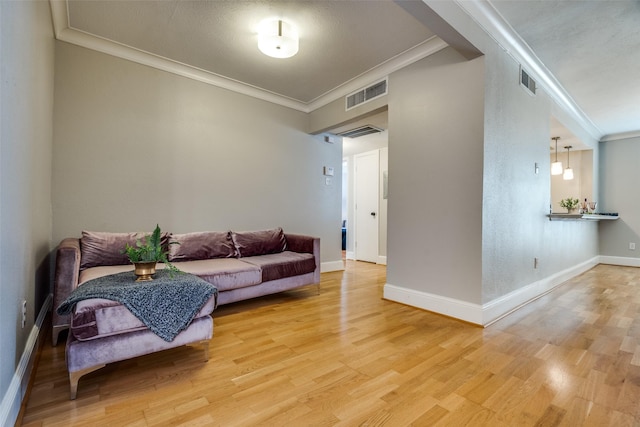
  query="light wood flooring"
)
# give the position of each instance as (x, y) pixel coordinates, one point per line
(347, 357)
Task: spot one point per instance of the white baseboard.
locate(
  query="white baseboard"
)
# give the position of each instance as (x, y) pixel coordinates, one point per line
(490, 312)
(351, 255)
(619, 260)
(328, 266)
(10, 406)
(382, 260)
(502, 306)
(451, 307)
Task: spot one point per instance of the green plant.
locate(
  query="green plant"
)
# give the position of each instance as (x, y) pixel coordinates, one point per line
(150, 250)
(569, 203)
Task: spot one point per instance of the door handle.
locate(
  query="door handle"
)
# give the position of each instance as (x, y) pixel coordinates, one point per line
(373, 214)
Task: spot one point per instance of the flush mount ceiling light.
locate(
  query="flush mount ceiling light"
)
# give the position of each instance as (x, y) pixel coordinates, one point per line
(568, 172)
(556, 167)
(277, 38)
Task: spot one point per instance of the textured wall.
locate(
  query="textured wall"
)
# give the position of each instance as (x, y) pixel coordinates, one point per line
(135, 146)
(26, 96)
(435, 176)
(516, 200)
(619, 183)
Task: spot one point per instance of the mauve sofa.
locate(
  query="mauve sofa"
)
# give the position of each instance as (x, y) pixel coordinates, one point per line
(241, 265)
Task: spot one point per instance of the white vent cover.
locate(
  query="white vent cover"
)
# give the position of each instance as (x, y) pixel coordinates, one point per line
(360, 131)
(366, 94)
(527, 82)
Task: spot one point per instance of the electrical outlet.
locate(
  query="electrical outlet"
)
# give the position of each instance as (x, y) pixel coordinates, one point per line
(632, 246)
(24, 313)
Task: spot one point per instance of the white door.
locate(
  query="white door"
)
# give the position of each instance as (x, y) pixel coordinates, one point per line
(367, 213)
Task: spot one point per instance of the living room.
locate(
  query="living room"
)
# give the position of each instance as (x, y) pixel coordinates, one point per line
(93, 141)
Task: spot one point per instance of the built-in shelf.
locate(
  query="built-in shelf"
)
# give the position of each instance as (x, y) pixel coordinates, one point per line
(590, 217)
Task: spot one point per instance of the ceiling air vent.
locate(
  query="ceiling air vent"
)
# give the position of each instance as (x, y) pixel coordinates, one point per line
(360, 131)
(366, 94)
(527, 82)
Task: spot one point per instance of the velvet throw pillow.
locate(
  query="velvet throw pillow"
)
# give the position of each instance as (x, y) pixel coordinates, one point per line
(201, 245)
(103, 248)
(250, 243)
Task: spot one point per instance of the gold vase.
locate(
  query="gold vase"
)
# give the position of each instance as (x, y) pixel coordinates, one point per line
(144, 270)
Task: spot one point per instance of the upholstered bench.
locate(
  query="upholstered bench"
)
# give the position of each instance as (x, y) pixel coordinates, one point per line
(137, 319)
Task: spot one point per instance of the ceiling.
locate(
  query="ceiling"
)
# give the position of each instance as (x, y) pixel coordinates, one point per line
(593, 50)
(339, 40)
(591, 47)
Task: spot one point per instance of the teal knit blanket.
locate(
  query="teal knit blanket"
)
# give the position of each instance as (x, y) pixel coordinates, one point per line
(166, 305)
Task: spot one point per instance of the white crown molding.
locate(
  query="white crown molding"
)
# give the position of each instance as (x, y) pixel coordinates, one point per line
(416, 53)
(494, 24)
(63, 32)
(619, 136)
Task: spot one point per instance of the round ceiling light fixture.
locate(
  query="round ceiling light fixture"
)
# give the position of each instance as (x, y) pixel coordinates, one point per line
(277, 38)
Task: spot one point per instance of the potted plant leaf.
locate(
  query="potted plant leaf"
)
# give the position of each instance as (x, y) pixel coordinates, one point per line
(146, 253)
(569, 204)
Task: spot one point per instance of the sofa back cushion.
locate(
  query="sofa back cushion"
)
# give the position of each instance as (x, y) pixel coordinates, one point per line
(250, 243)
(102, 248)
(201, 245)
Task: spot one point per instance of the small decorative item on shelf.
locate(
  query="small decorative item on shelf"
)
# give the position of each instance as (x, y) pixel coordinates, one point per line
(569, 204)
(145, 255)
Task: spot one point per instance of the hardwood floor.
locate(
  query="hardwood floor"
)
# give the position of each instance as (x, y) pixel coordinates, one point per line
(348, 358)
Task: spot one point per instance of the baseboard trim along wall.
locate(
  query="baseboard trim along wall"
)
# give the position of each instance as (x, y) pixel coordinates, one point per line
(492, 311)
(619, 260)
(451, 307)
(328, 266)
(502, 306)
(10, 406)
(382, 260)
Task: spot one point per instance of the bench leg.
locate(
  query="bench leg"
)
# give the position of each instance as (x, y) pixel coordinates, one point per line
(205, 345)
(74, 377)
(55, 331)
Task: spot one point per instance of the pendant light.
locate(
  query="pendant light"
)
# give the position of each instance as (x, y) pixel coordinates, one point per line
(568, 172)
(277, 38)
(556, 167)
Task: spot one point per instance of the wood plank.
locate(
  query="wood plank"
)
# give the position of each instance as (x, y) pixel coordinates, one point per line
(348, 357)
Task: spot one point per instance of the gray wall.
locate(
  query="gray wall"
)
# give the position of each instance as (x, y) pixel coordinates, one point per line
(619, 184)
(26, 96)
(515, 229)
(135, 146)
(435, 176)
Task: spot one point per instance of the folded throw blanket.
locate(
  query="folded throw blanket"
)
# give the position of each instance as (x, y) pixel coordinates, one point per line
(166, 304)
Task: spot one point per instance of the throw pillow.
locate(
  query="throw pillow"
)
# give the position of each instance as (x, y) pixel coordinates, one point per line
(103, 248)
(250, 243)
(201, 245)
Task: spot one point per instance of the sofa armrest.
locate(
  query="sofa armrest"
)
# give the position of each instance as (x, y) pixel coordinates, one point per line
(65, 280)
(306, 244)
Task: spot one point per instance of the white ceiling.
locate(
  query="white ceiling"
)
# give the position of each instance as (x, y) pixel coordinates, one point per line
(591, 47)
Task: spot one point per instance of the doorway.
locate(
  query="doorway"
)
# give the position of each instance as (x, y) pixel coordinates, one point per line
(374, 241)
(367, 168)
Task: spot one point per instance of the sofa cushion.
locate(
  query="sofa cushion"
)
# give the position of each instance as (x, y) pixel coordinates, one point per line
(103, 248)
(283, 264)
(224, 273)
(251, 243)
(201, 245)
